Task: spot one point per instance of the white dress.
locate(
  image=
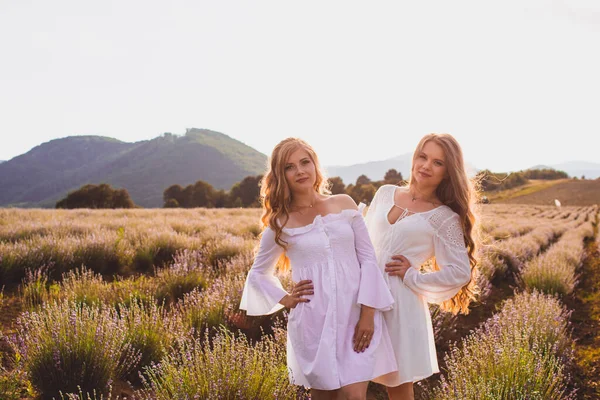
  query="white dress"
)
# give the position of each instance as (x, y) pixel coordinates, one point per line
(418, 237)
(335, 252)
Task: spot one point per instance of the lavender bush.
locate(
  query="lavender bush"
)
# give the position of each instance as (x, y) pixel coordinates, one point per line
(227, 367)
(523, 352)
(66, 345)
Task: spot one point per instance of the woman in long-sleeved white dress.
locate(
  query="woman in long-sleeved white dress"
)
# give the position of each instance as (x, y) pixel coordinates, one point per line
(431, 217)
(337, 342)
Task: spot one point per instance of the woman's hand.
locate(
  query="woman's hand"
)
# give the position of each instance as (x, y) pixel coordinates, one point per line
(299, 289)
(398, 266)
(363, 332)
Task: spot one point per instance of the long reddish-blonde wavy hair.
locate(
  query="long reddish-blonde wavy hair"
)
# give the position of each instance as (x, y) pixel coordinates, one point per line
(459, 193)
(275, 194)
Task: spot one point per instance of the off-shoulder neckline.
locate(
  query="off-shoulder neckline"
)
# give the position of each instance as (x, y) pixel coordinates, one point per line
(308, 227)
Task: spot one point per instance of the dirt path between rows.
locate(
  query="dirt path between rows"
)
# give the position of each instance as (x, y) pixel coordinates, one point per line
(585, 320)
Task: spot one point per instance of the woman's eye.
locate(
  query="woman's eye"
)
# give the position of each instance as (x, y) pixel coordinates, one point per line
(305, 162)
(288, 167)
(422, 156)
(438, 163)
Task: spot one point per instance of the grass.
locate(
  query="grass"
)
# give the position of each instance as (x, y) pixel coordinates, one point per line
(534, 185)
(172, 306)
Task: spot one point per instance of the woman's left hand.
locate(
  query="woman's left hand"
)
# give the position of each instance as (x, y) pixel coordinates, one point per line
(398, 266)
(363, 332)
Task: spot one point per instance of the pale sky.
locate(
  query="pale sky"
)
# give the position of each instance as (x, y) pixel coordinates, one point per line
(517, 82)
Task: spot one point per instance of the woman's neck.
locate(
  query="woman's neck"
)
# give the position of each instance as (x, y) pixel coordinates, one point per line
(426, 193)
(304, 199)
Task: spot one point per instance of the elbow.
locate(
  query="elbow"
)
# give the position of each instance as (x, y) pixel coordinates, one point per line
(465, 275)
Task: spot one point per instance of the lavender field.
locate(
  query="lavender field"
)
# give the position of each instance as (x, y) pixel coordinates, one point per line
(143, 304)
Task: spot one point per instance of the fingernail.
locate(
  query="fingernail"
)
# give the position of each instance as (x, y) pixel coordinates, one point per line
(308, 301)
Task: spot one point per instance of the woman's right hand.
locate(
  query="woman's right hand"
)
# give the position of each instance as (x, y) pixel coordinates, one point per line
(300, 289)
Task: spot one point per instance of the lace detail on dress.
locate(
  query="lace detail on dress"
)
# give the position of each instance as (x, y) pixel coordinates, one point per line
(446, 224)
(439, 216)
(454, 234)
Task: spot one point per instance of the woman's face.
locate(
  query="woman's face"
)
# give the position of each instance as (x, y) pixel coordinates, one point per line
(300, 171)
(429, 168)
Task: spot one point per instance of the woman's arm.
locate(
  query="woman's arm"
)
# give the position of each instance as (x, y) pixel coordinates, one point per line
(263, 290)
(452, 258)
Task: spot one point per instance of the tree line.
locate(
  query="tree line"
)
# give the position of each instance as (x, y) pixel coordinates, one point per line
(246, 193)
(494, 181)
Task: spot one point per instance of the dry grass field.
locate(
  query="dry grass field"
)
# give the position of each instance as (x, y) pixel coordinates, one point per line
(568, 191)
(144, 304)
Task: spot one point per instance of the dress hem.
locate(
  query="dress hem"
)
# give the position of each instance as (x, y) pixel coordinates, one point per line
(349, 383)
(413, 380)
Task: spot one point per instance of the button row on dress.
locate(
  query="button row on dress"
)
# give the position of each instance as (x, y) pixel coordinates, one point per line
(328, 244)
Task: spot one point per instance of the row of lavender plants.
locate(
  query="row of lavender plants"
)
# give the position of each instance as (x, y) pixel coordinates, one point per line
(176, 333)
(525, 351)
(499, 257)
(522, 352)
(118, 241)
(555, 271)
(81, 334)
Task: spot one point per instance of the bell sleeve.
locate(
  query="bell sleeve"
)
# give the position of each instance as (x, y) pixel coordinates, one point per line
(373, 290)
(452, 258)
(263, 290)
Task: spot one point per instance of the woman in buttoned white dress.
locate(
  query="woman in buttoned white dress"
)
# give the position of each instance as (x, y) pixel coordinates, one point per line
(337, 339)
(432, 216)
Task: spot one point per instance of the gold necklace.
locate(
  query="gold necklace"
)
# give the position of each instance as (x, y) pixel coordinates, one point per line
(298, 207)
(415, 198)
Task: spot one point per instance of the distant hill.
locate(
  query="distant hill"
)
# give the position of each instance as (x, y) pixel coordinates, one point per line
(375, 170)
(49, 171)
(570, 192)
(579, 168)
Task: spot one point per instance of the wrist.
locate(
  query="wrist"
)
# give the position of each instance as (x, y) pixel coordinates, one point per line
(285, 301)
(366, 311)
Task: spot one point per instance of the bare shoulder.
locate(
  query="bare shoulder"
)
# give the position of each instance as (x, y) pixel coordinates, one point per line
(343, 202)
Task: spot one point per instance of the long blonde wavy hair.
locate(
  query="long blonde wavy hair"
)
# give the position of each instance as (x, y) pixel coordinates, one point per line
(275, 194)
(459, 193)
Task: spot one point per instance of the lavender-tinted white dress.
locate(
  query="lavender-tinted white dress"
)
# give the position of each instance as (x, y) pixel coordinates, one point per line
(335, 252)
(418, 237)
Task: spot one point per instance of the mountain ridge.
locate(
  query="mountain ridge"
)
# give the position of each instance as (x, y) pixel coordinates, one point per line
(146, 168)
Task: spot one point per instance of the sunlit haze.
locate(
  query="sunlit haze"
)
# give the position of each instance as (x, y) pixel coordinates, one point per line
(516, 82)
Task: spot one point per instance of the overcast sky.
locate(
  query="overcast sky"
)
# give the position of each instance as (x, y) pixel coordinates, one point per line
(515, 81)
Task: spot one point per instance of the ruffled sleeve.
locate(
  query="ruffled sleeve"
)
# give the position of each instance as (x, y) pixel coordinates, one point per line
(372, 291)
(452, 258)
(263, 290)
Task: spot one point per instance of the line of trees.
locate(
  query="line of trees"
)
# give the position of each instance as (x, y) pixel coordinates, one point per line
(246, 192)
(97, 196)
(202, 194)
(494, 181)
